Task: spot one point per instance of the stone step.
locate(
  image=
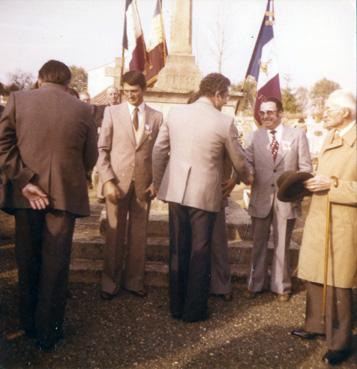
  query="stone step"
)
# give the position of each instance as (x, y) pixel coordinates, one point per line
(158, 250)
(156, 273)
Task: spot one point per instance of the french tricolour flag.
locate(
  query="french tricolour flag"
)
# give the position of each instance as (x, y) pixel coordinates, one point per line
(157, 48)
(133, 38)
(263, 64)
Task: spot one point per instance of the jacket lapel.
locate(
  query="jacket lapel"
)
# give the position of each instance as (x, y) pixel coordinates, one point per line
(264, 146)
(285, 144)
(128, 125)
(148, 126)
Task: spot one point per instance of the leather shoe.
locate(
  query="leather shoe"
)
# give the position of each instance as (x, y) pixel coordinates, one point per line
(305, 335)
(107, 296)
(139, 293)
(336, 357)
(250, 295)
(227, 296)
(283, 297)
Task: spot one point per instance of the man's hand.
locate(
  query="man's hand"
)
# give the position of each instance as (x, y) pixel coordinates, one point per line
(151, 192)
(37, 198)
(112, 192)
(318, 183)
(227, 187)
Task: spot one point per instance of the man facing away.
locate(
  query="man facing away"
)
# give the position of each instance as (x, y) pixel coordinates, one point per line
(187, 170)
(125, 146)
(274, 149)
(47, 143)
(333, 211)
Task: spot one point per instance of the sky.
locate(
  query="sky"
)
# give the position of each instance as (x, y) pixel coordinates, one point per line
(314, 39)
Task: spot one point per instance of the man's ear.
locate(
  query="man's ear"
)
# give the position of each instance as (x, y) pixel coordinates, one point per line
(346, 113)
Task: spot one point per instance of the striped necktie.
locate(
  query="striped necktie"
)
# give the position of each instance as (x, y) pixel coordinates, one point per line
(274, 146)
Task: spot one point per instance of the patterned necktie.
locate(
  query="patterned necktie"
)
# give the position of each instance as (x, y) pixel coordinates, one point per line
(274, 146)
(136, 119)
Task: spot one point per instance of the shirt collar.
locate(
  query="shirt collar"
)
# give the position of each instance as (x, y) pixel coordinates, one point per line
(141, 108)
(277, 129)
(343, 131)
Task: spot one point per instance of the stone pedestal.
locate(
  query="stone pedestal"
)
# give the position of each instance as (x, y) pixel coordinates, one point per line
(180, 74)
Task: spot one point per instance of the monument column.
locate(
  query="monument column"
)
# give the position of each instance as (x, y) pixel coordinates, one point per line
(180, 73)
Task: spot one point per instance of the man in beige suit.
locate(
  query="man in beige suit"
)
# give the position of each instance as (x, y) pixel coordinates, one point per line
(125, 145)
(335, 183)
(187, 170)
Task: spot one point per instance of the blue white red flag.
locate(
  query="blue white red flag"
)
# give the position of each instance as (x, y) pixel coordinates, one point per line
(135, 54)
(157, 49)
(263, 64)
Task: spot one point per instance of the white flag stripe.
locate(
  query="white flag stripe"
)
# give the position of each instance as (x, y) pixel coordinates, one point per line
(268, 64)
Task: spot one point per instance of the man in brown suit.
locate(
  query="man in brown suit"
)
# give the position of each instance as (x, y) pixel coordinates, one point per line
(125, 145)
(47, 143)
(188, 166)
(334, 201)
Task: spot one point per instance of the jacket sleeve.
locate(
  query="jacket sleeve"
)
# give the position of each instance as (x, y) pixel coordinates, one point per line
(10, 159)
(304, 163)
(236, 153)
(90, 148)
(160, 155)
(105, 141)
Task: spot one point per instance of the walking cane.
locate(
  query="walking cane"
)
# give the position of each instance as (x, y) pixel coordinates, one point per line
(327, 247)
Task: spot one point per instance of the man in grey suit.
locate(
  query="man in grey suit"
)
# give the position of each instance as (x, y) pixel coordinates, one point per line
(274, 149)
(47, 144)
(187, 172)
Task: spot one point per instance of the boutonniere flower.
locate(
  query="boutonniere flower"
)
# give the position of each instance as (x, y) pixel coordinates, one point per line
(148, 130)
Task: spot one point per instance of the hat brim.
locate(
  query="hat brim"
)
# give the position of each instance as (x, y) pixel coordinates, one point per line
(292, 187)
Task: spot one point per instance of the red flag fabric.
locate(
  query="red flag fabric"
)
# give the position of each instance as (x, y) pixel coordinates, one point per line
(135, 53)
(157, 49)
(263, 64)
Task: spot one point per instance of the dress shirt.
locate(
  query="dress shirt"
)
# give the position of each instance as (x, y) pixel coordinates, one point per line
(141, 119)
(278, 133)
(343, 131)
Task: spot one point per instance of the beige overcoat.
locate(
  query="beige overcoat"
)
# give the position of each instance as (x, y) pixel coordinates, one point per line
(338, 158)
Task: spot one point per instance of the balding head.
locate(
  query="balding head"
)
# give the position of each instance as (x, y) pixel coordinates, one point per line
(112, 95)
(340, 109)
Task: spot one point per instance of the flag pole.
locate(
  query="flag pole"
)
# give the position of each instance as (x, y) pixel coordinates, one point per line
(122, 57)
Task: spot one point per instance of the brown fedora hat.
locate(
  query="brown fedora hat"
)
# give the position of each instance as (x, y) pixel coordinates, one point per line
(291, 186)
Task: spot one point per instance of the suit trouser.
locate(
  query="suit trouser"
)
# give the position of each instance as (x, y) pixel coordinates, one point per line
(190, 259)
(124, 254)
(338, 321)
(280, 281)
(220, 268)
(43, 250)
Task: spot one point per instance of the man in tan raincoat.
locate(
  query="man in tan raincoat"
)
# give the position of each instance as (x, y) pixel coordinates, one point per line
(336, 182)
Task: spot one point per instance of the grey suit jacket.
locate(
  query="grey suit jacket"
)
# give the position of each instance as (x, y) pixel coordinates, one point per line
(48, 137)
(188, 155)
(120, 158)
(293, 154)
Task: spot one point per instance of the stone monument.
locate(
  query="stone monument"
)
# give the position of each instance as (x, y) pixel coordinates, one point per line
(180, 73)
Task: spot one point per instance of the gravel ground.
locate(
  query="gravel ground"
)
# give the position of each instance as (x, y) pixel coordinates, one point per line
(134, 333)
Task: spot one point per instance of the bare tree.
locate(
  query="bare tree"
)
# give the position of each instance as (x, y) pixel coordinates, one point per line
(20, 80)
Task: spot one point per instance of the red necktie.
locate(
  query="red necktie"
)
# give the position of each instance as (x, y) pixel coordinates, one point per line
(136, 119)
(274, 146)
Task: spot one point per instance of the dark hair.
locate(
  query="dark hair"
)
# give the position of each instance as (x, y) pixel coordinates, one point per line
(212, 83)
(275, 100)
(193, 97)
(134, 77)
(55, 71)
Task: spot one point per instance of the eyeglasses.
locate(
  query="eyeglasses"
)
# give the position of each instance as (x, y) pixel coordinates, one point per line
(269, 113)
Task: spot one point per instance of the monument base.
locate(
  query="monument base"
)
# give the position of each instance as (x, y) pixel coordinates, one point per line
(180, 74)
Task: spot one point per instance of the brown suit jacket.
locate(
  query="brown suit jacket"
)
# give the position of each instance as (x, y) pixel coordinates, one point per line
(120, 158)
(48, 138)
